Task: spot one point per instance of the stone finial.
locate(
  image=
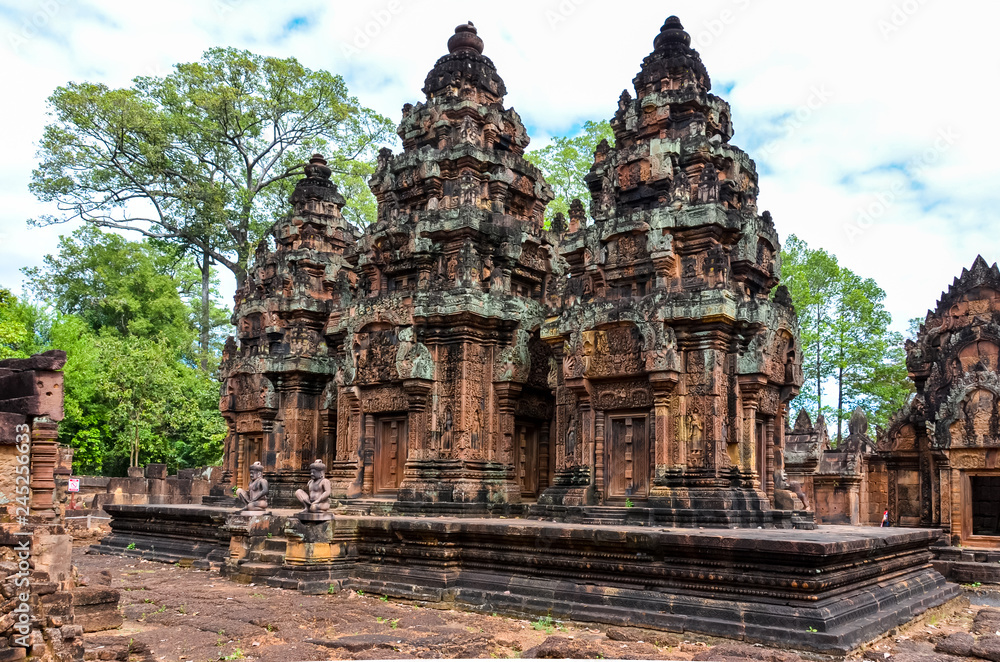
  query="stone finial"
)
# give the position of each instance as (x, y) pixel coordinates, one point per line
(672, 32)
(466, 39)
(316, 185)
(317, 168)
(559, 223)
(577, 215)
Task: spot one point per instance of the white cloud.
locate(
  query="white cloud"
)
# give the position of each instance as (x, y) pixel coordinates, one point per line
(892, 90)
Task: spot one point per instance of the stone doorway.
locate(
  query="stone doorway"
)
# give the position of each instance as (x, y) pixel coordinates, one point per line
(528, 465)
(985, 500)
(253, 452)
(390, 454)
(626, 474)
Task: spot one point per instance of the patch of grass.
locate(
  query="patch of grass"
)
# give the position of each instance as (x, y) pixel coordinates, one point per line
(384, 598)
(131, 545)
(972, 585)
(544, 624)
(182, 609)
(361, 593)
(258, 595)
(393, 623)
(379, 619)
(235, 655)
(148, 601)
(628, 503)
(811, 629)
(331, 590)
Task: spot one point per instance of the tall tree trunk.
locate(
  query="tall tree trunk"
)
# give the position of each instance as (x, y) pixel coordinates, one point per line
(840, 397)
(206, 307)
(819, 379)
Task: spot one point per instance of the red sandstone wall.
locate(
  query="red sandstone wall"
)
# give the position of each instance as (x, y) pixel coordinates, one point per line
(877, 493)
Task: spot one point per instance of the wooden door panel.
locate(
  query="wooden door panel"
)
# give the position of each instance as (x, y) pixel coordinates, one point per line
(526, 436)
(390, 454)
(627, 457)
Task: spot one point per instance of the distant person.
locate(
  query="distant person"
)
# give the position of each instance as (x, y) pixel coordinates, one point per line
(885, 519)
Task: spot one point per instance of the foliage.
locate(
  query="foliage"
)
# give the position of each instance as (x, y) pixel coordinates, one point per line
(206, 156)
(201, 149)
(21, 325)
(111, 283)
(845, 337)
(566, 161)
(810, 276)
(133, 393)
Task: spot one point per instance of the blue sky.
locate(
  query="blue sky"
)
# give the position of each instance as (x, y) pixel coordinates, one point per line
(870, 122)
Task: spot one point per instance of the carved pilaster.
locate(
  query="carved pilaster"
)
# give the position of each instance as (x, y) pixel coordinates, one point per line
(667, 453)
(507, 394)
(752, 452)
(417, 393)
(44, 452)
(368, 455)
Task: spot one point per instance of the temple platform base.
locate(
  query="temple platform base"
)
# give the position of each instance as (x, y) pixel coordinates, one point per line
(827, 590)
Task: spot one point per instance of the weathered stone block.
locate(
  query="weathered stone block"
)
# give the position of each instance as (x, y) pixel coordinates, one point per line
(8, 426)
(98, 617)
(53, 359)
(95, 595)
(156, 471)
(958, 643)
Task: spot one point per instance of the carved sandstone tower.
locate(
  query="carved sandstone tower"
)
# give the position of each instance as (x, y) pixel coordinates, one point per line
(676, 362)
(443, 393)
(277, 393)
(938, 464)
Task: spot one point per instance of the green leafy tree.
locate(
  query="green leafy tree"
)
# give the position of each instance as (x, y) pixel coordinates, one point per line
(811, 278)
(845, 336)
(84, 426)
(133, 393)
(203, 156)
(112, 283)
(566, 161)
(15, 329)
(868, 360)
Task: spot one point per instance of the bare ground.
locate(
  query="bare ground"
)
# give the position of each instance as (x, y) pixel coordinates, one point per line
(181, 614)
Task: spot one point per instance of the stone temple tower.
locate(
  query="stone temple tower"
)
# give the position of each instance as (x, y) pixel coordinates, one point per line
(676, 360)
(456, 354)
(276, 383)
(437, 381)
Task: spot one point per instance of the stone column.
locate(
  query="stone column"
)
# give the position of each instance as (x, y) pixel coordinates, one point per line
(507, 394)
(769, 455)
(667, 453)
(748, 440)
(417, 393)
(752, 449)
(599, 478)
(368, 457)
(44, 453)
